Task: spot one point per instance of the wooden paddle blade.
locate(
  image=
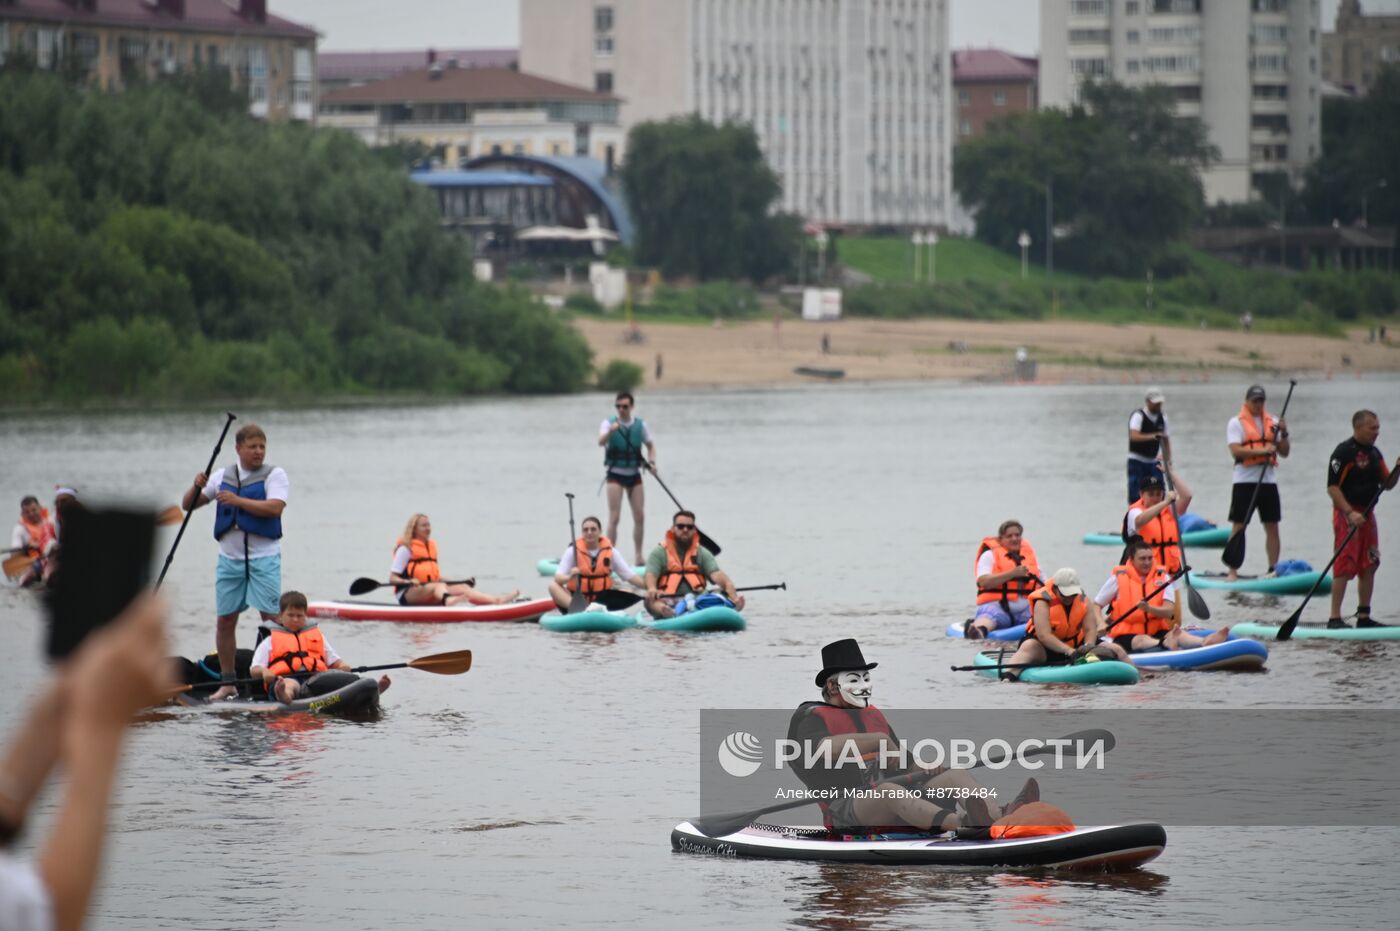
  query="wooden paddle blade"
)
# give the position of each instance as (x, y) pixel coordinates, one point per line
(1199, 609)
(16, 565)
(708, 543)
(362, 585)
(444, 664)
(170, 515)
(1233, 553)
(615, 600)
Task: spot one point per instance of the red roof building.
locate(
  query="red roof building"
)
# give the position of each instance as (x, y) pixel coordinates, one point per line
(990, 84)
(344, 69)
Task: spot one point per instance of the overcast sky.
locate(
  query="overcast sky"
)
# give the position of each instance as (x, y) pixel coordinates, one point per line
(417, 24)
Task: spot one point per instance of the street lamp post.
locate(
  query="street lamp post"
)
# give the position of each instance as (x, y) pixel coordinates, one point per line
(1024, 241)
(931, 238)
(1365, 195)
(916, 240)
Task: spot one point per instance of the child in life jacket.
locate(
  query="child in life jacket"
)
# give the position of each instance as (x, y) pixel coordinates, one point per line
(296, 659)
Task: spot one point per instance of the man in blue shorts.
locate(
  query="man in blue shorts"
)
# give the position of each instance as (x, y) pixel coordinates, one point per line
(623, 437)
(251, 496)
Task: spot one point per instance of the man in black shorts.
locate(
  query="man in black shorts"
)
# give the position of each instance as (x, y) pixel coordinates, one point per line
(1355, 475)
(1257, 441)
(623, 438)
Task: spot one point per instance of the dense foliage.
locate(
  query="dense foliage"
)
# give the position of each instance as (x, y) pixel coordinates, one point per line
(161, 244)
(1358, 173)
(701, 196)
(1122, 168)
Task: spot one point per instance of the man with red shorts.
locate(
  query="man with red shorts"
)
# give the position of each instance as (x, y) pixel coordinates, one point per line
(1354, 476)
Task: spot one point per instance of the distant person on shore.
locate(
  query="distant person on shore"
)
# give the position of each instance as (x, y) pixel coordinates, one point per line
(1006, 572)
(658, 366)
(826, 344)
(1137, 622)
(1256, 441)
(1148, 441)
(1355, 475)
(417, 577)
(79, 718)
(33, 538)
(680, 567)
(588, 565)
(251, 497)
(623, 437)
(1246, 321)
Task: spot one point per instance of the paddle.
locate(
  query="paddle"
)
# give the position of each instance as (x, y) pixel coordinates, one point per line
(705, 540)
(16, 565)
(1286, 631)
(579, 601)
(444, 664)
(615, 600)
(1199, 609)
(362, 585)
(186, 522)
(720, 825)
(1233, 553)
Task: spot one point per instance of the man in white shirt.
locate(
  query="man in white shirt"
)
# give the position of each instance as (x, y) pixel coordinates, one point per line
(1257, 441)
(251, 496)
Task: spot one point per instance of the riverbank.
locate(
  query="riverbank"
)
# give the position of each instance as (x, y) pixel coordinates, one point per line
(760, 353)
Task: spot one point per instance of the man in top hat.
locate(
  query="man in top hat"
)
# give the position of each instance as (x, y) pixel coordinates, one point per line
(1147, 441)
(845, 724)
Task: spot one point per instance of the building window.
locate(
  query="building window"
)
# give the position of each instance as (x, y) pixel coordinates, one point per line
(965, 128)
(1176, 6)
(1175, 35)
(1089, 67)
(1088, 37)
(1132, 65)
(964, 98)
(1270, 6)
(1173, 64)
(999, 98)
(1188, 93)
(1131, 8)
(602, 19)
(1268, 62)
(1132, 37)
(1273, 122)
(85, 49)
(602, 45)
(603, 82)
(1088, 7)
(213, 56)
(1271, 92)
(1270, 33)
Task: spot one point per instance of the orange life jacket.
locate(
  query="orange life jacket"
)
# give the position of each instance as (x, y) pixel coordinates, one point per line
(40, 534)
(1252, 436)
(1131, 589)
(1004, 561)
(1067, 625)
(300, 652)
(681, 567)
(594, 572)
(1162, 532)
(422, 560)
(1033, 819)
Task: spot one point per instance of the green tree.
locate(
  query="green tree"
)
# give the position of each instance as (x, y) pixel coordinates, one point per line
(1122, 168)
(701, 196)
(1359, 168)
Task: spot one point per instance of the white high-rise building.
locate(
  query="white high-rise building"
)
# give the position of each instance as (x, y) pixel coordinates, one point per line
(851, 99)
(1248, 68)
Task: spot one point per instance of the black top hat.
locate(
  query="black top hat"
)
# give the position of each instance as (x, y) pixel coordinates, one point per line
(842, 656)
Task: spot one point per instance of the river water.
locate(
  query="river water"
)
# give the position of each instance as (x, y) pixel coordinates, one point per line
(540, 788)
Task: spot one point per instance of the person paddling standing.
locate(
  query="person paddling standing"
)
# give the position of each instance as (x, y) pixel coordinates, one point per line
(1257, 440)
(1355, 475)
(251, 497)
(1147, 442)
(623, 437)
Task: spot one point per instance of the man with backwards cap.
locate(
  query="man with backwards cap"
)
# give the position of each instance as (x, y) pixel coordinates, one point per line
(1065, 628)
(1257, 440)
(848, 724)
(1147, 441)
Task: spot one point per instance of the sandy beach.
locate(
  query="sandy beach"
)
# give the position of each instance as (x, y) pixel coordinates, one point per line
(758, 353)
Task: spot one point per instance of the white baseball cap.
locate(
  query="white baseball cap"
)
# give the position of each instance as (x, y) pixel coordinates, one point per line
(1066, 582)
(1155, 395)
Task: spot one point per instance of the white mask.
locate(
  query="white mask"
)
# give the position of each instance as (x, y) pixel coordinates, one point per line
(854, 687)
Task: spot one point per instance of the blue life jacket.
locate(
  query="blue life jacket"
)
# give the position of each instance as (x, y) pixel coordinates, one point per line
(624, 446)
(254, 487)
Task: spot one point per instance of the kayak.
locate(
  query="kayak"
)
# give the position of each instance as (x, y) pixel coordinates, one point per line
(1104, 672)
(1116, 847)
(1014, 632)
(1297, 584)
(1215, 536)
(360, 697)
(1232, 655)
(390, 611)
(1270, 632)
(715, 618)
(590, 621)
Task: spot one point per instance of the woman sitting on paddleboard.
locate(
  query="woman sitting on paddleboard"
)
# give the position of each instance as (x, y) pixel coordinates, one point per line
(419, 581)
(1064, 628)
(588, 565)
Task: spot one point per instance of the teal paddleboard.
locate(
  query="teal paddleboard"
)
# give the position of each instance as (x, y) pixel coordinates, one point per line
(1104, 672)
(718, 617)
(1298, 584)
(1215, 536)
(590, 621)
(1270, 632)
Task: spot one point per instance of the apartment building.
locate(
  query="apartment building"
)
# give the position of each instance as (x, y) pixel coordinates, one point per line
(1250, 69)
(851, 99)
(115, 41)
(991, 84)
(1359, 46)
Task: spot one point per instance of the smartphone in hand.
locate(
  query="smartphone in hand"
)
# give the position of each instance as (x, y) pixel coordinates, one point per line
(104, 560)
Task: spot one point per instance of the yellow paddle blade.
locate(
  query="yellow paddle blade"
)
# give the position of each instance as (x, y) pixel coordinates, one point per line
(446, 664)
(16, 565)
(170, 515)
